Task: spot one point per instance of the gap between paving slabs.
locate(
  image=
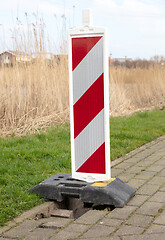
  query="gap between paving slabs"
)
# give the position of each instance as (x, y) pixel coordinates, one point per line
(46, 214)
(73, 208)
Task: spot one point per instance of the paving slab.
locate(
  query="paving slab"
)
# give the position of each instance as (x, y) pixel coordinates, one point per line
(91, 217)
(148, 189)
(8, 238)
(138, 200)
(80, 228)
(127, 230)
(150, 208)
(162, 173)
(145, 175)
(157, 180)
(124, 165)
(65, 235)
(155, 228)
(116, 172)
(134, 169)
(162, 188)
(40, 234)
(21, 230)
(160, 219)
(63, 213)
(152, 236)
(155, 168)
(140, 220)
(161, 161)
(57, 221)
(98, 231)
(108, 221)
(136, 183)
(126, 177)
(144, 163)
(158, 197)
(122, 213)
(103, 238)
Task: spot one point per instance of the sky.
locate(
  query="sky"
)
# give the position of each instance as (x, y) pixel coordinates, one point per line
(136, 28)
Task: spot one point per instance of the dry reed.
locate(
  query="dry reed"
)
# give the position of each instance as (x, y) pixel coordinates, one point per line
(37, 95)
(136, 89)
(34, 96)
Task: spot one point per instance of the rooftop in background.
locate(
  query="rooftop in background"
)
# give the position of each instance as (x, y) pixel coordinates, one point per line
(121, 60)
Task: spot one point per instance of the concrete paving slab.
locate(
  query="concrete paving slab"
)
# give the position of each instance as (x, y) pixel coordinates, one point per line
(148, 189)
(122, 213)
(154, 228)
(156, 180)
(91, 217)
(152, 236)
(145, 175)
(162, 189)
(155, 168)
(108, 221)
(98, 231)
(40, 234)
(158, 197)
(161, 162)
(162, 173)
(139, 220)
(160, 219)
(136, 183)
(126, 177)
(80, 228)
(8, 238)
(138, 200)
(150, 208)
(102, 238)
(65, 235)
(134, 169)
(127, 230)
(21, 230)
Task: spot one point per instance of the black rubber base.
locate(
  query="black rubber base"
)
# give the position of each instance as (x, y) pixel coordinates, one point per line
(62, 185)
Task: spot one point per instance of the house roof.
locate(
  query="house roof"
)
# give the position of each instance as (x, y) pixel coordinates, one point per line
(15, 53)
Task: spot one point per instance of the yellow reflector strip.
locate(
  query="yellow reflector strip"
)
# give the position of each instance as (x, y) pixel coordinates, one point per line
(103, 184)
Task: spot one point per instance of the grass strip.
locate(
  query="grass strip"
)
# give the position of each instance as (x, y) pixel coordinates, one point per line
(26, 161)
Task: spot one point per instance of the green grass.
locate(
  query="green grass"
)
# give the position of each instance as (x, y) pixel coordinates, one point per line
(26, 161)
(128, 133)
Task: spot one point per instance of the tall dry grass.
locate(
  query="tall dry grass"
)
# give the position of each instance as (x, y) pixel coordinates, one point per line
(37, 95)
(136, 89)
(34, 96)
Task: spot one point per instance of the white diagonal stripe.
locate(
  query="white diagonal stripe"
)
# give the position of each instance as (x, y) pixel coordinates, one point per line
(89, 140)
(88, 71)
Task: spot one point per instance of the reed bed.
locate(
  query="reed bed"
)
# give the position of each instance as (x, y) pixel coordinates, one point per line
(33, 96)
(136, 89)
(36, 95)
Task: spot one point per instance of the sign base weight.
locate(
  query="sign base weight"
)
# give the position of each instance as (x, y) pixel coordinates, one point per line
(115, 192)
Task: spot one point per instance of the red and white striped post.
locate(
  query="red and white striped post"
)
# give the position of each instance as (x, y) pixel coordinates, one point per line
(89, 102)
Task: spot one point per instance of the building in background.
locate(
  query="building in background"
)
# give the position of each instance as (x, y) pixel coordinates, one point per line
(9, 58)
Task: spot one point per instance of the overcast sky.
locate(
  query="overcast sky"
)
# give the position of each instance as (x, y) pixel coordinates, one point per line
(136, 27)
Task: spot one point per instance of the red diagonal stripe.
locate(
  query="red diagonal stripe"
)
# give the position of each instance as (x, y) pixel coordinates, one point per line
(89, 105)
(80, 48)
(96, 162)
